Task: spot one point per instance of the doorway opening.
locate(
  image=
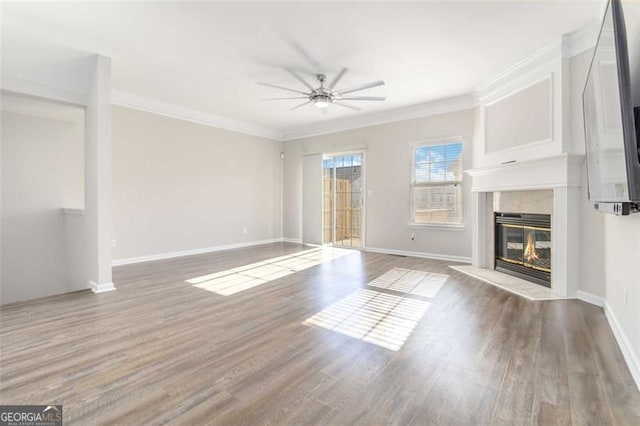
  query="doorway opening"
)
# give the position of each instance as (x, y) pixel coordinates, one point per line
(342, 195)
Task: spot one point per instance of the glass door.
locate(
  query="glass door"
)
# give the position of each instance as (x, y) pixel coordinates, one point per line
(343, 185)
(328, 174)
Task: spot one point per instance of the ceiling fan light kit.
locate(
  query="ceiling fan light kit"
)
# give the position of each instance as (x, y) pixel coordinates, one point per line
(323, 96)
(321, 102)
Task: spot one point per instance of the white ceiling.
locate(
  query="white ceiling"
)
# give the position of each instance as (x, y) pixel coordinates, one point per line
(207, 56)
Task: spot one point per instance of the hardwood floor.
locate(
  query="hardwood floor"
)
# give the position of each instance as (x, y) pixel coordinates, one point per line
(159, 350)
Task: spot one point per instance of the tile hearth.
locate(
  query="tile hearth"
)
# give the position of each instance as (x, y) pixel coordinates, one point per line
(509, 283)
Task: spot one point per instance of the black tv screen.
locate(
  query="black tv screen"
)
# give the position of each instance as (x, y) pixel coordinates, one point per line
(613, 155)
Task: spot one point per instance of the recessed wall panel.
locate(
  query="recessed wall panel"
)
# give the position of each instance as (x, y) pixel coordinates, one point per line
(521, 118)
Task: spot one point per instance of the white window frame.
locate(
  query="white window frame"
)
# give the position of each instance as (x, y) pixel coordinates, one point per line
(363, 234)
(430, 142)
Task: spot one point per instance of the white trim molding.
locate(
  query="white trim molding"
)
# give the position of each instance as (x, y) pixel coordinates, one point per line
(440, 106)
(516, 91)
(546, 64)
(101, 288)
(435, 256)
(625, 345)
(590, 298)
(426, 109)
(548, 172)
(142, 103)
(292, 240)
(439, 226)
(31, 88)
(162, 256)
(566, 46)
(77, 212)
(518, 74)
(582, 39)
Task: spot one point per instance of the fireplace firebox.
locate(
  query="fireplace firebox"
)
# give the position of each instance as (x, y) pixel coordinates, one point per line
(523, 246)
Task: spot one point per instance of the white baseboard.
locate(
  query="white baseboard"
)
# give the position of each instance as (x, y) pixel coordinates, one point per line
(434, 256)
(625, 346)
(102, 287)
(162, 256)
(590, 298)
(292, 240)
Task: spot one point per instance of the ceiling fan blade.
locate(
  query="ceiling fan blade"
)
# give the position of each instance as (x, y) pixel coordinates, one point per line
(300, 79)
(337, 79)
(301, 105)
(363, 98)
(347, 106)
(362, 87)
(281, 99)
(304, 53)
(282, 88)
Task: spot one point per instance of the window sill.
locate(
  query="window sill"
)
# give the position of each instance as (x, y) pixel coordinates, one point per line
(443, 226)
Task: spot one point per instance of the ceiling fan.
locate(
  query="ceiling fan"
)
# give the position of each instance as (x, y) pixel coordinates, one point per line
(323, 96)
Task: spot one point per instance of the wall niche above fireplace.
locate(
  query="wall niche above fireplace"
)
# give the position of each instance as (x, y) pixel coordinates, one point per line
(523, 246)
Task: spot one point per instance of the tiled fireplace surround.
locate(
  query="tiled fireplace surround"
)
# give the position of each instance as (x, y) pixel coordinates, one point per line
(548, 186)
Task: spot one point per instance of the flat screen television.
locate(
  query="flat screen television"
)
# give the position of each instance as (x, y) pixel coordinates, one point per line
(611, 122)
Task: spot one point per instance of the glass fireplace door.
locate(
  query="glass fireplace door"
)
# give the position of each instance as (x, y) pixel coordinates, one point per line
(523, 246)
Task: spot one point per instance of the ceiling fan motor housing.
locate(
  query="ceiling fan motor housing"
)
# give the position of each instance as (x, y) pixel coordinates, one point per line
(321, 97)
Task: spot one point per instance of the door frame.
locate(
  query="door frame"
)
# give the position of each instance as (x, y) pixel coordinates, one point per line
(363, 221)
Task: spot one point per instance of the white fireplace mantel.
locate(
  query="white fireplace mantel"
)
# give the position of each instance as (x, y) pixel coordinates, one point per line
(562, 174)
(542, 173)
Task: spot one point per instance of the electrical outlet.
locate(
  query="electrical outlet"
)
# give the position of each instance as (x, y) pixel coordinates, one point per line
(113, 242)
(244, 230)
(413, 237)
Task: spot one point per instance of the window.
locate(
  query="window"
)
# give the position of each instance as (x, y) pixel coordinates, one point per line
(436, 187)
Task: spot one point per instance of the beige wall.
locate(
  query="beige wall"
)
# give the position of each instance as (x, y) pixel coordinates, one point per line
(388, 174)
(610, 245)
(182, 186)
(42, 173)
(622, 245)
(622, 272)
(592, 275)
(521, 118)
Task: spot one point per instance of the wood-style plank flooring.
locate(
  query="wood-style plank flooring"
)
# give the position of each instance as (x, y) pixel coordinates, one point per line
(159, 350)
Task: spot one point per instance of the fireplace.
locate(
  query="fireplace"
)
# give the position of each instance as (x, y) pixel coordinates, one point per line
(523, 246)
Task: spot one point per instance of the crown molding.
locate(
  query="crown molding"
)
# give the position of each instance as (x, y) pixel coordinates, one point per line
(143, 103)
(31, 88)
(441, 106)
(524, 67)
(41, 106)
(566, 46)
(580, 40)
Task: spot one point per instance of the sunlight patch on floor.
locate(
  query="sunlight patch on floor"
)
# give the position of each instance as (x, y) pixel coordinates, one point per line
(382, 319)
(232, 281)
(420, 283)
